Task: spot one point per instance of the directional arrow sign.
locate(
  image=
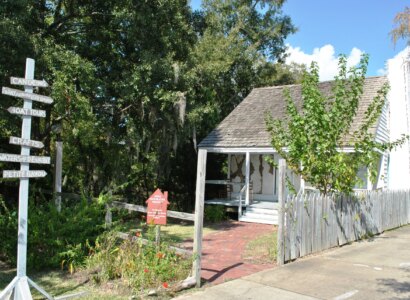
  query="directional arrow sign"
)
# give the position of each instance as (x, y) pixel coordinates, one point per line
(27, 111)
(25, 142)
(23, 174)
(25, 95)
(29, 82)
(24, 158)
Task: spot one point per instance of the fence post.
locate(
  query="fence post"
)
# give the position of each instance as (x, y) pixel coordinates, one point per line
(108, 216)
(158, 236)
(281, 216)
(58, 175)
(199, 215)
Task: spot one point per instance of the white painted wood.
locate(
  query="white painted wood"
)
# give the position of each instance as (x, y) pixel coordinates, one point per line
(29, 82)
(20, 284)
(247, 176)
(26, 95)
(24, 182)
(27, 112)
(58, 175)
(22, 290)
(281, 217)
(302, 181)
(261, 150)
(23, 174)
(199, 215)
(228, 175)
(25, 142)
(8, 289)
(38, 288)
(239, 150)
(25, 158)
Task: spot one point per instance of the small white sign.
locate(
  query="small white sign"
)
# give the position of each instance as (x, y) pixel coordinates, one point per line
(28, 82)
(25, 142)
(25, 158)
(23, 174)
(27, 112)
(25, 95)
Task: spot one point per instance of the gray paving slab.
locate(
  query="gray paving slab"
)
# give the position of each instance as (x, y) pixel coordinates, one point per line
(378, 268)
(244, 289)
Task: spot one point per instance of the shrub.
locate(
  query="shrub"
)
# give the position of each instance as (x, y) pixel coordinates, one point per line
(54, 238)
(140, 266)
(214, 213)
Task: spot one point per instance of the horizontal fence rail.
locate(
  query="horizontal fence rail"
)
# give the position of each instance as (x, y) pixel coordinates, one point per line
(313, 223)
(143, 209)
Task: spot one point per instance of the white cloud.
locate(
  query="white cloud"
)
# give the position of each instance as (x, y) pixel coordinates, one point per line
(382, 72)
(325, 57)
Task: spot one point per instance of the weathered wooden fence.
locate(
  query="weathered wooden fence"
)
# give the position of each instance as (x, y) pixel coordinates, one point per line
(313, 223)
(143, 209)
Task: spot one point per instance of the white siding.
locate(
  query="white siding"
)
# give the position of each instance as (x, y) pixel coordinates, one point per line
(398, 74)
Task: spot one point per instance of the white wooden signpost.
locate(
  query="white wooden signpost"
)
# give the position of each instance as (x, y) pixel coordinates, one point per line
(19, 288)
(27, 112)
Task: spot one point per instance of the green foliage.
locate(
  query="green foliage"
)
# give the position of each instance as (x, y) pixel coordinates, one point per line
(140, 266)
(312, 138)
(54, 239)
(214, 213)
(136, 83)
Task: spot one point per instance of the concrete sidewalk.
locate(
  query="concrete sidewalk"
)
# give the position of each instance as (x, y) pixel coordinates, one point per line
(378, 268)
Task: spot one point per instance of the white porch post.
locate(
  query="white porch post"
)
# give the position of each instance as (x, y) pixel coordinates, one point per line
(369, 181)
(199, 215)
(247, 175)
(229, 167)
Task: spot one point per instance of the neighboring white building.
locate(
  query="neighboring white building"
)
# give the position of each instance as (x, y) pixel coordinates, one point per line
(398, 74)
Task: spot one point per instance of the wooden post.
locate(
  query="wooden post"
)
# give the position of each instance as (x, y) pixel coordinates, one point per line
(281, 216)
(247, 175)
(228, 175)
(199, 215)
(58, 175)
(302, 182)
(108, 216)
(157, 236)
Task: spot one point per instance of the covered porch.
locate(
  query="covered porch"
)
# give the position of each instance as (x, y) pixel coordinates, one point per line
(250, 185)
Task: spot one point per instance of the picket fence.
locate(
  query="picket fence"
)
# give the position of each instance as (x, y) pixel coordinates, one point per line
(313, 223)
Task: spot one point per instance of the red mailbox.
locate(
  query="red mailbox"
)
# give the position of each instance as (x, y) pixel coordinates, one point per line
(157, 208)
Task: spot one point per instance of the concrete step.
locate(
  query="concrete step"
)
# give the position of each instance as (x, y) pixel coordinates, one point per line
(257, 220)
(262, 211)
(259, 216)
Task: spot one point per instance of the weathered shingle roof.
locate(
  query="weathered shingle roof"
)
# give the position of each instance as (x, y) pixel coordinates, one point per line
(245, 125)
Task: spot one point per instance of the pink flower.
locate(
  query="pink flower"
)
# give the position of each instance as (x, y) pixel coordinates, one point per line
(165, 285)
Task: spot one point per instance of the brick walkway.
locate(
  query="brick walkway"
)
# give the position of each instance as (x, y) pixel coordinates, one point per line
(222, 251)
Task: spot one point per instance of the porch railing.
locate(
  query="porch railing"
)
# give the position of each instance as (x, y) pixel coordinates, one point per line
(240, 201)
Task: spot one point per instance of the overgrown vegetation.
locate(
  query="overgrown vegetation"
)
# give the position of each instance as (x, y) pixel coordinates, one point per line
(140, 266)
(55, 239)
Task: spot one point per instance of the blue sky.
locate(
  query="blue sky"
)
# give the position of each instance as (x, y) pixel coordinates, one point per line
(331, 27)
